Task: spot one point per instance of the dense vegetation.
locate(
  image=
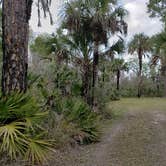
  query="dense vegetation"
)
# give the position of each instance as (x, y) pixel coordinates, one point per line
(62, 97)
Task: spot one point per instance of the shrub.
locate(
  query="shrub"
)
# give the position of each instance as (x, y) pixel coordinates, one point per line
(78, 112)
(21, 134)
(105, 94)
(75, 121)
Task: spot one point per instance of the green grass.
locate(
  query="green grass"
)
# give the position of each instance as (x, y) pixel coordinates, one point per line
(118, 108)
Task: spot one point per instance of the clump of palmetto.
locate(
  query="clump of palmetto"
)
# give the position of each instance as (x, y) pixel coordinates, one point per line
(21, 134)
(76, 111)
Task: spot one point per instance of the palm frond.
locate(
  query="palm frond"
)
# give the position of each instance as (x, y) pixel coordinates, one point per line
(14, 142)
(20, 122)
(38, 151)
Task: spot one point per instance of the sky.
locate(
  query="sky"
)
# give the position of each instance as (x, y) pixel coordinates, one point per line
(56, 8)
(138, 19)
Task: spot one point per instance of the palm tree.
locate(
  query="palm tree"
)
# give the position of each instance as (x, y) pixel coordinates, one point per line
(109, 56)
(96, 21)
(80, 49)
(15, 27)
(117, 66)
(159, 54)
(157, 9)
(74, 49)
(139, 46)
(104, 24)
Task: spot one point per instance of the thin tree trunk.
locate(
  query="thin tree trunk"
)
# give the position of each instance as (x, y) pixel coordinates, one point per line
(158, 84)
(15, 26)
(163, 73)
(165, 86)
(118, 80)
(140, 74)
(95, 75)
(86, 81)
(103, 79)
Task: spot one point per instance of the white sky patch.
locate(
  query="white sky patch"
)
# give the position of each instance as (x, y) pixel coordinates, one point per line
(138, 19)
(46, 26)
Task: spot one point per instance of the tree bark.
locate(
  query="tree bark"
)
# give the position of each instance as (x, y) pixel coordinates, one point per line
(140, 74)
(118, 80)
(163, 74)
(15, 26)
(86, 81)
(95, 74)
(103, 78)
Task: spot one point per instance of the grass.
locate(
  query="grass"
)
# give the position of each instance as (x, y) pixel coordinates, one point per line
(142, 140)
(118, 108)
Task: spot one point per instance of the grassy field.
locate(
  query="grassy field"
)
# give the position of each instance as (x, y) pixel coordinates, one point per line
(134, 104)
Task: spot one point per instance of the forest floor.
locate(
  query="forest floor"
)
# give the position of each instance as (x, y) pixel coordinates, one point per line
(136, 137)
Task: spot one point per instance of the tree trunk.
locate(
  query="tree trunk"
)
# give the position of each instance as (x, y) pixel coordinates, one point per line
(158, 84)
(140, 74)
(95, 74)
(103, 78)
(164, 85)
(118, 80)
(15, 26)
(163, 74)
(86, 81)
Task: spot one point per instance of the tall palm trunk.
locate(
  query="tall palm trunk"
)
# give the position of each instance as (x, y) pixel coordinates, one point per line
(103, 78)
(164, 84)
(158, 84)
(86, 81)
(163, 74)
(15, 26)
(118, 80)
(140, 74)
(95, 74)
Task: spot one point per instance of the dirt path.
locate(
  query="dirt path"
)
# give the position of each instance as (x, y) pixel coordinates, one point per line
(137, 139)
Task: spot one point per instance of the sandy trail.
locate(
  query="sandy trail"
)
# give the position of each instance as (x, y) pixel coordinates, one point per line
(137, 139)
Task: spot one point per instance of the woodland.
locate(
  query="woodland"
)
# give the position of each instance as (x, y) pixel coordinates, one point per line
(66, 93)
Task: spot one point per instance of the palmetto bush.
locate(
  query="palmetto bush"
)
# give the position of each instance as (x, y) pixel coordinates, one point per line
(21, 132)
(76, 111)
(75, 122)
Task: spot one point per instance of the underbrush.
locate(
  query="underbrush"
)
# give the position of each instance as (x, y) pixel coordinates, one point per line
(105, 94)
(74, 122)
(29, 131)
(70, 120)
(21, 130)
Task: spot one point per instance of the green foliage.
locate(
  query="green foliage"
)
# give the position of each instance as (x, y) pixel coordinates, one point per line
(38, 150)
(151, 88)
(157, 9)
(119, 64)
(78, 112)
(158, 42)
(139, 42)
(20, 124)
(134, 67)
(76, 121)
(43, 44)
(107, 93)
(70, 117)
(32, 79)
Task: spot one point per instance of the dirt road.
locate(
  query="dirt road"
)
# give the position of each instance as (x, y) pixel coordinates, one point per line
(138, 138)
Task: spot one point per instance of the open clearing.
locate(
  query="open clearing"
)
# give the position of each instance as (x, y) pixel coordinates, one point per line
(136, 137)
